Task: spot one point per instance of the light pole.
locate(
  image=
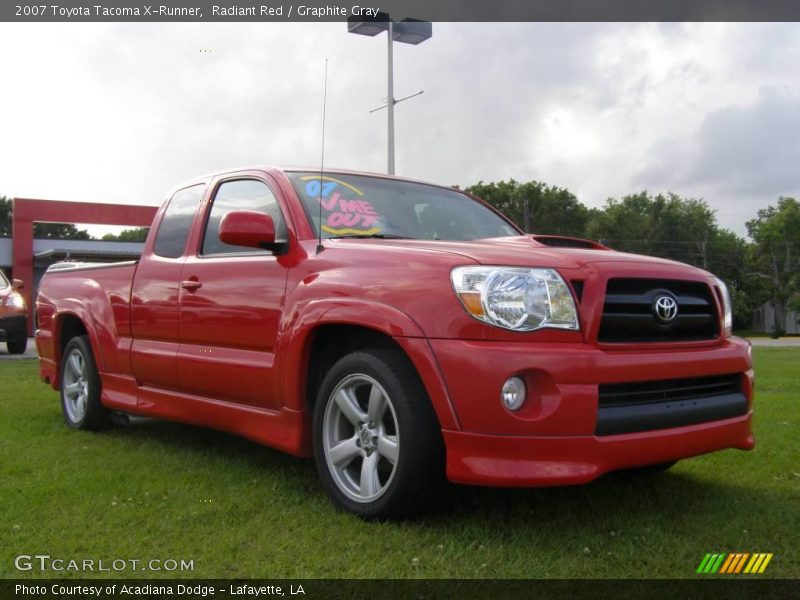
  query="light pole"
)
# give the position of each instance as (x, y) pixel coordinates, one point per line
(408, 31)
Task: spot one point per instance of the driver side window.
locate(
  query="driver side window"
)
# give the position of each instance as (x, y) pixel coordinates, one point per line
(244, 194)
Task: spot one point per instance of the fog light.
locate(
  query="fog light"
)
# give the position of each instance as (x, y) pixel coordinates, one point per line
(513, 393)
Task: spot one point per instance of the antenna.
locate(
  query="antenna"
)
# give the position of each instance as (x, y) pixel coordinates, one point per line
(320, 247)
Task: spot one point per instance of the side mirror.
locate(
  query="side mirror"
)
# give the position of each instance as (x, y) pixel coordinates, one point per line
(17, 285)
(249, 229)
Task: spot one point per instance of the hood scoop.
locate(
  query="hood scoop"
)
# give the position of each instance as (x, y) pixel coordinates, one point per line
(558, 241)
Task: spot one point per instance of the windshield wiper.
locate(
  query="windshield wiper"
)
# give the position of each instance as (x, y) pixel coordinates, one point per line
(375, 236)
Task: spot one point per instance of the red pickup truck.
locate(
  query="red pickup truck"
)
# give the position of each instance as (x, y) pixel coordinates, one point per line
(401, 333)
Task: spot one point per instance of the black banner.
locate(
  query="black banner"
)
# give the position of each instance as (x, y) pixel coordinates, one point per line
(445, 589)
(430, 10)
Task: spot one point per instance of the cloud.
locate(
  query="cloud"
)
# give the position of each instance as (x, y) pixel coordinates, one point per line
(123, 112)
(753, 149)
(741, 156)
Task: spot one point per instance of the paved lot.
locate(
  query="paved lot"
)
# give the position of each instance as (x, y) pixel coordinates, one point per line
(785, 342)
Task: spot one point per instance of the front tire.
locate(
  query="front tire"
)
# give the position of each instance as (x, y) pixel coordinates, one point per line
(80, 387)
(377, 443)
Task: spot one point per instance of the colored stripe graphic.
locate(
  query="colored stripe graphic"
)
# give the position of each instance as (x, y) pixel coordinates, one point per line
(741, 562)
(703, 563)
(734, 563)
(727, 565)
(765, 563)
(754, 562)
(717, 563)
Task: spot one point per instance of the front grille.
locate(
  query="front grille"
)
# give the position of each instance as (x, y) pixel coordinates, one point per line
(649, 405)
(629, 314)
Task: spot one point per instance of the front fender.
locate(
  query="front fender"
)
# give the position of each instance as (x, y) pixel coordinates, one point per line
(297, 340)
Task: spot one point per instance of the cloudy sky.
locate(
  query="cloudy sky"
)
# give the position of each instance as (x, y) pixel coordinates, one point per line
(123, 112)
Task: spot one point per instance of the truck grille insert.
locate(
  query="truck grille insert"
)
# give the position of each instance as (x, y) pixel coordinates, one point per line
(630, 313)
(649, 405)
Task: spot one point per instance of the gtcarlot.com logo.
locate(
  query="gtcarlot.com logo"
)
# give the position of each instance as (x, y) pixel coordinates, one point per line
(45, 562)
(734, 563)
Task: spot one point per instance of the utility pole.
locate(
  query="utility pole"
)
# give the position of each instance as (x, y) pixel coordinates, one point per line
(390, 102)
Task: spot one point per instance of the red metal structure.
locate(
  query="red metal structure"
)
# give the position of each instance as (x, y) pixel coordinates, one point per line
(27, 211)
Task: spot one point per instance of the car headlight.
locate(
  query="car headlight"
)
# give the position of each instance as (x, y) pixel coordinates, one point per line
(15, 301)
(727, 308)
(519, 299)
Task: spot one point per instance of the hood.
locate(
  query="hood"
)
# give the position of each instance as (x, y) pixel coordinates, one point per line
(523, 251)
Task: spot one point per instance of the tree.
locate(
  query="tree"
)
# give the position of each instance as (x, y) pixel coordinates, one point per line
(663, 225)
(775, 256)
(536, 206)
(59, 231)
(139, 234)
(5, 217)
(728, 259)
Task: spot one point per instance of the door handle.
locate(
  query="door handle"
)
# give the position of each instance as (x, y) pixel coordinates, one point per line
(191, 285)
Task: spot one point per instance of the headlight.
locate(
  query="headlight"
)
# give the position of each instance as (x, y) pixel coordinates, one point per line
(15, 301)
(515, 298)
(727, 309)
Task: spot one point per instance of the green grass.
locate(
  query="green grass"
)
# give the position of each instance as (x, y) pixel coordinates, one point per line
(160, 490)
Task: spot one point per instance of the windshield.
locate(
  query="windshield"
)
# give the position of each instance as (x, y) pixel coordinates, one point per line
(363, 206)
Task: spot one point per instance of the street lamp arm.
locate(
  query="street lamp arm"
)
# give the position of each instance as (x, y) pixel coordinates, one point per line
(398, 101)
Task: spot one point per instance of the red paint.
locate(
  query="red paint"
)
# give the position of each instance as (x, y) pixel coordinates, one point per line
(224, 341)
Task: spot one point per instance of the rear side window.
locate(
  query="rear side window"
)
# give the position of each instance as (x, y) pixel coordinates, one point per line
(174, 229)
(245, 194)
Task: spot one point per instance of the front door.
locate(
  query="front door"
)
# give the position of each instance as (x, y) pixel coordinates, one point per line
(231, 300)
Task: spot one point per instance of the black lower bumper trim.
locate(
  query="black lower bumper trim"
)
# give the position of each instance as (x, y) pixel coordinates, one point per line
(612, 420)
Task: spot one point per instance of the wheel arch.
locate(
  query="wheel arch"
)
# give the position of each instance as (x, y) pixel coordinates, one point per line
(335, 331)
(67, 325)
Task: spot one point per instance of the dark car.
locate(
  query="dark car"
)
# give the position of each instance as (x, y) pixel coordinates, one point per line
(13, 316)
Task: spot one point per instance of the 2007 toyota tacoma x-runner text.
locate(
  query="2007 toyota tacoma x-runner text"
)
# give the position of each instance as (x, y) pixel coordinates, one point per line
(401, 333)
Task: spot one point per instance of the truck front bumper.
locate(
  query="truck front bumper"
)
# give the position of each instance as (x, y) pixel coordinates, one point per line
(554, 439)
(517, 461)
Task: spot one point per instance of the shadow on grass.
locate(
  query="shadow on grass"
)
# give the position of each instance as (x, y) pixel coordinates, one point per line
(671, 499)
(200, 441)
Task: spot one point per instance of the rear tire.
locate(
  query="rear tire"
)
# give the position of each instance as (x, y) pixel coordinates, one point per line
(17, 346)
(377, 443)
(80, 387)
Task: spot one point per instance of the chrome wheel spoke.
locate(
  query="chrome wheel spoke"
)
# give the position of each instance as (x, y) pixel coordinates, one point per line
(75, 386)
(347, 403)
(387, 447)
(360, 438)
(377, 405)
(344, 452)
(370, 484)
(76, 365)
(80, 405)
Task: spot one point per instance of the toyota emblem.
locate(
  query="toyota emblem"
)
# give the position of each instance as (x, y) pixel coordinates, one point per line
(665, 308)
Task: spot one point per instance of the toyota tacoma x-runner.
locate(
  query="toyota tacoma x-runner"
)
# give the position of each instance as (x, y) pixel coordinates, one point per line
(402, 334)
